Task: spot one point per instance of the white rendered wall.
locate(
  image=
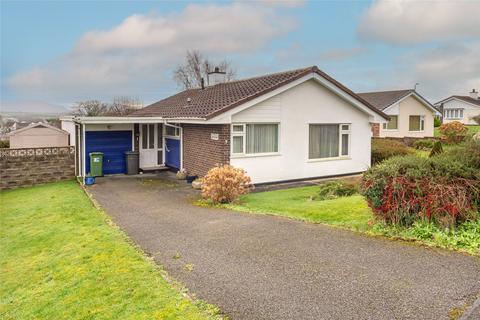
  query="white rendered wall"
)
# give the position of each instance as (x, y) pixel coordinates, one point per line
(294, 110)
(469, 111)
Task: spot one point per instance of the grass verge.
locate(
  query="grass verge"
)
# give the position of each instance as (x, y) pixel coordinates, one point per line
(61, 258)
(352, 213)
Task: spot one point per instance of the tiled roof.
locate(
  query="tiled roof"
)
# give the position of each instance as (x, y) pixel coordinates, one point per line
(213, 100)
(383, 99)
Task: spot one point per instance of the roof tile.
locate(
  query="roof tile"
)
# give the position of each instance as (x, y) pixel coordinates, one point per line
(213, 100)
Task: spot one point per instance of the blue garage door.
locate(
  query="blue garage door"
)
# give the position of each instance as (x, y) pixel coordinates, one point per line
(113, 144)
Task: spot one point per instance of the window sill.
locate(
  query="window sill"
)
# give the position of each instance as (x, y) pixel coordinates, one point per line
(416, 131)
(330, 159)
(257, 155)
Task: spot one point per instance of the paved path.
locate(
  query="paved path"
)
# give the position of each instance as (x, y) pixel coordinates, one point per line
(266, 267)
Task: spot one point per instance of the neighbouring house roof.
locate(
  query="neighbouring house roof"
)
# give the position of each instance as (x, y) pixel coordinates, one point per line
(384, 99)
(463, 98)
(214, 100)
(38, 125)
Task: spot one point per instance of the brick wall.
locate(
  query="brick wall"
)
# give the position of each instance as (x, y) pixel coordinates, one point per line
(30, 166)
(200, 151)
(375, 129)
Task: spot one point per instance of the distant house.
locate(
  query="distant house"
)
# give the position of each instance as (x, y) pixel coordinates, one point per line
(410, 114)
(38, 135)
(460, 108)
(290, 125)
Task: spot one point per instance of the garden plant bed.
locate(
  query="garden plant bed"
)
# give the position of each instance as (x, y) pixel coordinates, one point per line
(62, 258)
(352, 213)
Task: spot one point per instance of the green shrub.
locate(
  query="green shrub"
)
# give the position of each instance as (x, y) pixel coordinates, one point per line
(424, 144)
(437, 122)
(444, 189)
(436, 149)
(385, 148)
(466, 236)
(335, 189)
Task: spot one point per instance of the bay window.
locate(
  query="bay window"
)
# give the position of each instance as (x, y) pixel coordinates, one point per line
(453, 113)
(328, 141)
(416, 123)
(254, 138)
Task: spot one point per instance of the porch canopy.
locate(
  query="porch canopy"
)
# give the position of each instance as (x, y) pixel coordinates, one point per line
(158, 140)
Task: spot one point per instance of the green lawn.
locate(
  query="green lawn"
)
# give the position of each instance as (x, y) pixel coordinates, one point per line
(61, 258)
(352, 212)
(471, 130)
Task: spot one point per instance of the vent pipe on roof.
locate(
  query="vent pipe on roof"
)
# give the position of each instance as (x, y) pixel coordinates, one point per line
(474, 94)
(216, 76)
(202, 83)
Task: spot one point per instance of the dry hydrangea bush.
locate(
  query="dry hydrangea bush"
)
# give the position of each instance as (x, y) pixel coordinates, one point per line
(225, 183)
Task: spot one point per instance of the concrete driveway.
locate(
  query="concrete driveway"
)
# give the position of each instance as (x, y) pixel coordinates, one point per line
(266, 267)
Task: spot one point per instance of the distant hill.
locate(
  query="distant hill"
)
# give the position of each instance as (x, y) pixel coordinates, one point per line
(33, 107)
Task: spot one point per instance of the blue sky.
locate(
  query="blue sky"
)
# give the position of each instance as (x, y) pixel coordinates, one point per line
(56, 53)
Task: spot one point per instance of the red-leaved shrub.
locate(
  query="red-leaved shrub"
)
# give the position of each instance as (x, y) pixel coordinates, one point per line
(454, 131)
(445, 202)
(443, 189)
(224, 184)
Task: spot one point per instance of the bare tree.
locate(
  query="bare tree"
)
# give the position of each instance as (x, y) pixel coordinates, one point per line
(196, 66)
(121, 106)
(90, 108)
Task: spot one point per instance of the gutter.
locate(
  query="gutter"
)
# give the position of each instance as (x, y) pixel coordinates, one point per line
(116, 120)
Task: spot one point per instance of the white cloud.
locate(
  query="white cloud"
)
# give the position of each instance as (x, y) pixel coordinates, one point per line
(409, 22)
(136, 57)
(448, 70)
(342, 53)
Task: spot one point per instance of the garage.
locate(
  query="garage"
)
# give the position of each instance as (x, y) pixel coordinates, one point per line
(113, 144)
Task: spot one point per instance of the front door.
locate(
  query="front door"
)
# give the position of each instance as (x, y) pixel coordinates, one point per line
(151, 145)
(172, 146)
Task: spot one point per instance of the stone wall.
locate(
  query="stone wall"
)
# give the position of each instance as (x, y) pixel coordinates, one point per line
(205, 146)
(30, 166)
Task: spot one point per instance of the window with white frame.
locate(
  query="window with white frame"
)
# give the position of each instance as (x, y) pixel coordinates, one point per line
(172, 131)
(416, 123)
(328, 141)
(453, 113)
(254, 138)
(392, 124)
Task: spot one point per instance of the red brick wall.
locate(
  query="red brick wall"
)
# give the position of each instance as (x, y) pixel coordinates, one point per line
(200, 152)
(375, 129)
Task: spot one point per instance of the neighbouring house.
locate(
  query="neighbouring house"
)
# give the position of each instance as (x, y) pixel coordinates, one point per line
(38, 135)
(460, 108)
(290, 125)
(410, 114)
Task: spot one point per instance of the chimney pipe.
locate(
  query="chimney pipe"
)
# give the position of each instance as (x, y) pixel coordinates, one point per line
(474, 94)
(202, 81)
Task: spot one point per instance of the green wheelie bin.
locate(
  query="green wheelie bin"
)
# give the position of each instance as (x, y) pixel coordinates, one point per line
(96, 164)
